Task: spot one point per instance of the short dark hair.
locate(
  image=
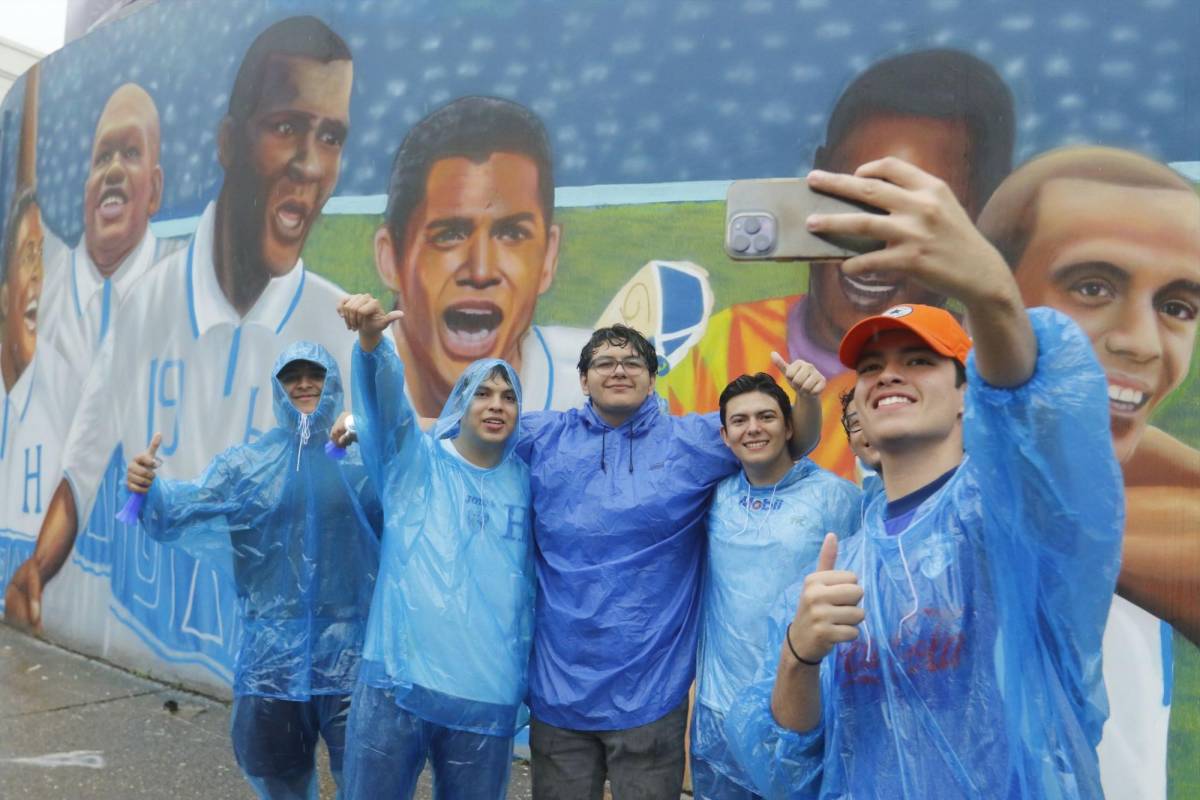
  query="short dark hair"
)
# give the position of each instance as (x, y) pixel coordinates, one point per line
(22, 203)
(941, 84)
(473, 128)
(758, 382)
(846, 398)
(618, 336)
(299, 37)
(500, 372)
(298, 363)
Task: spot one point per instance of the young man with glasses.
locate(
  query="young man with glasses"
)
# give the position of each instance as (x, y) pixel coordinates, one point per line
(620, 493)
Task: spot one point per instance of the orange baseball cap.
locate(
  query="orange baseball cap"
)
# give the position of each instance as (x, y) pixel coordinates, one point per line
(936, 326)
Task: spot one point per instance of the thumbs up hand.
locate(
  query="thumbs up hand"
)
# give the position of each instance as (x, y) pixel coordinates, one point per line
(828, 612)
(140, 473)
(804, 378)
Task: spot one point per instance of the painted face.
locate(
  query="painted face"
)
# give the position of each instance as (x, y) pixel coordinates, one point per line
(303, 381)
(294, 145)
(477, 254)
(21, 292)
(756, 430)
(941, 147)
(124, 185)
(905, 392)
(1124, 263)
(492, 415)
(618, 380)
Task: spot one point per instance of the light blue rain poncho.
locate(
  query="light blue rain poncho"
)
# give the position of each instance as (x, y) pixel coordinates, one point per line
(761, 539)
(977, 670)
(452, 618)
(297, 530)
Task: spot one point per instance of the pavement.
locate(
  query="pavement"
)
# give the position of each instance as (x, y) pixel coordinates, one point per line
(75, 727)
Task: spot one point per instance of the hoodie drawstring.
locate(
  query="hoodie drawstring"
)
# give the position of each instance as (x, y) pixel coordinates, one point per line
(305, 433)
(603, 466)
(770, 509)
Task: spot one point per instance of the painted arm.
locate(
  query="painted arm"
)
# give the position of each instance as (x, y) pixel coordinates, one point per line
(23, 595)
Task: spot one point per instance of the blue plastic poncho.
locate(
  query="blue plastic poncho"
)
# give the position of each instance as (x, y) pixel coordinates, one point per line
(977, 670)
(452, 618)
(619, 519)
(298, 532)
(760, 540)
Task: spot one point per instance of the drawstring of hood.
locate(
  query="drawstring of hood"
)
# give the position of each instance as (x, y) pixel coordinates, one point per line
(912, 587)
(603, 449)
(305, 432)
(770, 508)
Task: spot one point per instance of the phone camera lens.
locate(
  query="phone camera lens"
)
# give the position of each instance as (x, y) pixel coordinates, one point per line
(740, 243)
(753, 225)
(762, 243)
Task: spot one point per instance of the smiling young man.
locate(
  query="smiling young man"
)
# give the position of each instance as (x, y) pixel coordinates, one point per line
(447, 652)
(620, 496)
(468, 246)
(765, 527)
(952, 647)
(300, 533)
(1112, 239)
(192, 356)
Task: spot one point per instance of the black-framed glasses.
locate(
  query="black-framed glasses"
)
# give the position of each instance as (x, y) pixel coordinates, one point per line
(633, 365)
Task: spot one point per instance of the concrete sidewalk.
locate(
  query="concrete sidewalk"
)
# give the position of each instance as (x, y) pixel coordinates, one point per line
(72, 727)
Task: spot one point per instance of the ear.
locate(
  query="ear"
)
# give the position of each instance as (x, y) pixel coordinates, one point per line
(550, 262)
(583, 384)
(725, 436)
(156, 190)
(225, 143)
(385, 259)
(3, 301)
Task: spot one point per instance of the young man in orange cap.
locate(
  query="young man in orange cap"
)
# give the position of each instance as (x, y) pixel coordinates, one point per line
(952, 647)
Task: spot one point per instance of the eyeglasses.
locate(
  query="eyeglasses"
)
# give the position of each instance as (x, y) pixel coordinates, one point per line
(633, 365)
(851, 424)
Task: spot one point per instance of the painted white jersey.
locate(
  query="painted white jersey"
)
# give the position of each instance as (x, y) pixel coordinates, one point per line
(1137, 671)
(179, 360)
(33, 425)
(549, 367)
(80, 305)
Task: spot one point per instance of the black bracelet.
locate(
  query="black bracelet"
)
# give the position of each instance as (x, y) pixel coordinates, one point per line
(788, 636)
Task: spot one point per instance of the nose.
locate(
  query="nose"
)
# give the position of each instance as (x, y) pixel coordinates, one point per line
(890, 373)
(479, 269)
(1135, 335)
(305, 165)
(115, 171)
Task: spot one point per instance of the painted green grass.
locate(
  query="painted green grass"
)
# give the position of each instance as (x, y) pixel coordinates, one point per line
(603, 247)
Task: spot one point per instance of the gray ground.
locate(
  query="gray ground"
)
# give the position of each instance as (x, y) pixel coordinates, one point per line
(73, 727)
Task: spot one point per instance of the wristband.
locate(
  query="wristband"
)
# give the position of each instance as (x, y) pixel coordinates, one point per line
(788, 637)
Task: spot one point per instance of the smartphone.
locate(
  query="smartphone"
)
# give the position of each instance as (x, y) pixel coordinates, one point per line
(764, 221)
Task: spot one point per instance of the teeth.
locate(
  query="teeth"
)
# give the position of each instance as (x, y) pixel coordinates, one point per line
(111, 200)
(1123, 394)
(871, 288)
(892, 401)
(473, 337)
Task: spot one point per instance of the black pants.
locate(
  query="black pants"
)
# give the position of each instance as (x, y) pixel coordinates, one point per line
(642, 763)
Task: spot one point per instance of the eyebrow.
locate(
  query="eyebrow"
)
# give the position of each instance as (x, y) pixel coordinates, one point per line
(1107, 269)
(1182, 285)
(904, 350)
(522, 216)
(450, 222)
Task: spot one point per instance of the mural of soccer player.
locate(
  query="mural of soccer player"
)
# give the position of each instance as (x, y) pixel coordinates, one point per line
(1112, 239)
(468, 244)
(87, 284)
(189, 353)
(34, 411)
(945, 111)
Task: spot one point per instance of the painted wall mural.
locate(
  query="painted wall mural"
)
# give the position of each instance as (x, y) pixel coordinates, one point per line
(186, 191)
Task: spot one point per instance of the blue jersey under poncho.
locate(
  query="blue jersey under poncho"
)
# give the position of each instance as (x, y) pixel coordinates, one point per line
(760, 540)
(452, 618)
(619, 517)
(977, 670)
(297, 530)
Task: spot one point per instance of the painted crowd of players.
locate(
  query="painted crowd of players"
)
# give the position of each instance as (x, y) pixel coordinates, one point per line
(181, 338)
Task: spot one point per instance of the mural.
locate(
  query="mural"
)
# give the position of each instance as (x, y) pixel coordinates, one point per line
(186, 192)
